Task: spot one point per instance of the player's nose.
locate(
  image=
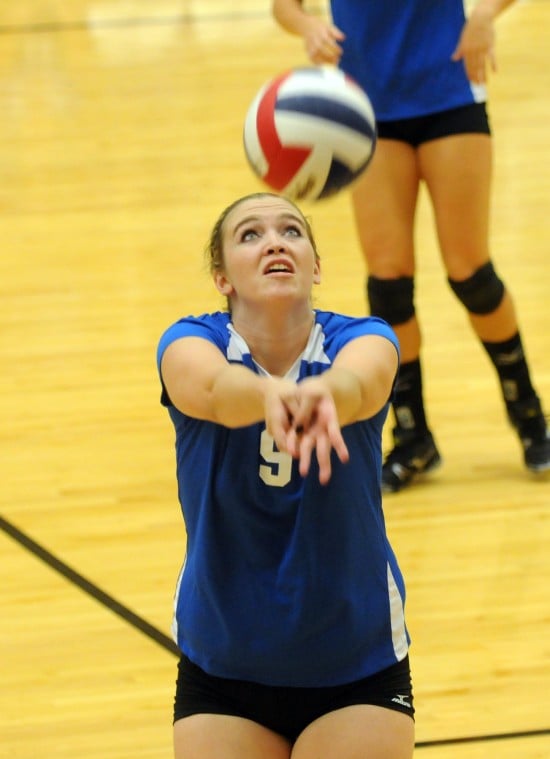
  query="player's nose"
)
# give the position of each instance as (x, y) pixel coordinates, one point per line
(275, 242)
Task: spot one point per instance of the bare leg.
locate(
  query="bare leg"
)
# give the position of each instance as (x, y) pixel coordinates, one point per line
(224, 737)
(357, 732)
(385, 206)
(462, 208)
(384, 203)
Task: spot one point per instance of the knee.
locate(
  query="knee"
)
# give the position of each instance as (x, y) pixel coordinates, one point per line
(391, 299)
(481, 293)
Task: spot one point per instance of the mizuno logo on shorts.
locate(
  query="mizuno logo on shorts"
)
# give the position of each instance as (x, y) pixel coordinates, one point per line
(399, 699)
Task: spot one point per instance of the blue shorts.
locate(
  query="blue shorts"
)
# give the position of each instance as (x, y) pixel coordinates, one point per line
(287, 711)
(468, 119)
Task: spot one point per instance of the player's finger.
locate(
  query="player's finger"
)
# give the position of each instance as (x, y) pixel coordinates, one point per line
(338, 443)
(305, 450)
(323, 450)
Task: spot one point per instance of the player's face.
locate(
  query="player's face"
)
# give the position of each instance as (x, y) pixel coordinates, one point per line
(267, 251)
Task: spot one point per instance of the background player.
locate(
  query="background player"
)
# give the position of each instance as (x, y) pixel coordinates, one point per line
(424, 67)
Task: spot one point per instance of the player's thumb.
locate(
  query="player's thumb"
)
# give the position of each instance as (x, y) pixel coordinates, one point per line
(457, 54)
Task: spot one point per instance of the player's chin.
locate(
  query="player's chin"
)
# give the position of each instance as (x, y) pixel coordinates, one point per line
(284, 284)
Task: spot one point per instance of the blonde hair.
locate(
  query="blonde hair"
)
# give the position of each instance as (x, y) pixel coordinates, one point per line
(214, 248)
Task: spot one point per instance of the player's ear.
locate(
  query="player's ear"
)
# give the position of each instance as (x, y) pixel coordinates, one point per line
(317, 272)
(223, 285)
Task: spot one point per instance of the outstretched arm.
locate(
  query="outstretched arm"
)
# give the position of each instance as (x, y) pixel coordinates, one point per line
(476, 46)
(321, 38)
(301, 418)
(202, 384)
(356, 387)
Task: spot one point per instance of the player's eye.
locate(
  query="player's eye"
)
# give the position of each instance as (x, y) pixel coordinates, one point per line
(292, 230)
(248, 234)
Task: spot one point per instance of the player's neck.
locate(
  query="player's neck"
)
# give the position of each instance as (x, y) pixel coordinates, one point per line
(275, 339)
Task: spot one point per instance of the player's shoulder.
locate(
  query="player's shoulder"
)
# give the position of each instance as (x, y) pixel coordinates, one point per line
(334, 321)
(217, 320)
(210, 326)
(338, 329)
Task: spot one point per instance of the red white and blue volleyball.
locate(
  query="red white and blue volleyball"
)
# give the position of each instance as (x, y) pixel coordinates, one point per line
(310, 132)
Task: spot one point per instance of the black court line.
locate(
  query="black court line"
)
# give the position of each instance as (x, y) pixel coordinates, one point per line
(168, 644)
(88, 587)
(483, 738)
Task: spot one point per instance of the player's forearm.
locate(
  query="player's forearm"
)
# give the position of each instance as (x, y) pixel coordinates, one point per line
(491, 8)
(237, 397)
(347, 394)
(291, 16)
(362, 377)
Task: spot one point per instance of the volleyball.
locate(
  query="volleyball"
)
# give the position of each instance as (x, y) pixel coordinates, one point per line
(310, 132)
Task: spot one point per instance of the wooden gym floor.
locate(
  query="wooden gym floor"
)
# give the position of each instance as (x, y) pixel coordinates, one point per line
(120, 141)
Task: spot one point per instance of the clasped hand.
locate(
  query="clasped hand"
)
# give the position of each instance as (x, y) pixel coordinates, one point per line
(303, 418)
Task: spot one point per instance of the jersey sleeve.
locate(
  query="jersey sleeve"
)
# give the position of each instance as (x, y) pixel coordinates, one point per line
(207, 326)
(348, 328)
(211, 327)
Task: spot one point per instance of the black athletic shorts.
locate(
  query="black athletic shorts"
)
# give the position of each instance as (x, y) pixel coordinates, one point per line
(287, 711)
(468, 119)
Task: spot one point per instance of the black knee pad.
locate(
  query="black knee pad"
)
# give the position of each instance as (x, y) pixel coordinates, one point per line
(481, 293)
(391, 299)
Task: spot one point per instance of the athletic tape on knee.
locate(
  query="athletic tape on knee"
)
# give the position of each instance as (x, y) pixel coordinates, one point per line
(391, 299)
(482, 292)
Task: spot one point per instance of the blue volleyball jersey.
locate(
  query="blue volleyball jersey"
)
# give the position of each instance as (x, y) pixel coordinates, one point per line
(400, 53)
(285, 581)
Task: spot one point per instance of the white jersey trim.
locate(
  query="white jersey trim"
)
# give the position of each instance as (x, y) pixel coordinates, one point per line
(313, 352)
(397, 616)
(174, 626)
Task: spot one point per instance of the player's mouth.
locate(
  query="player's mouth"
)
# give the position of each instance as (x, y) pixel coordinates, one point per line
(279, 267)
